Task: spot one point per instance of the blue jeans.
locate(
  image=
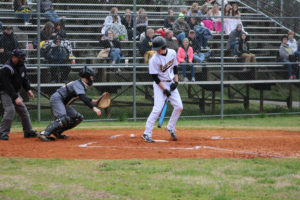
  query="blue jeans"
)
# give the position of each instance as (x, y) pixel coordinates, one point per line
(297, 55)
(184, 66)
(52, 16)
(25, 16)
(180, 37)
(199, 58)
(203, 41)
(290, 67)
(115, 55)
(234, 46)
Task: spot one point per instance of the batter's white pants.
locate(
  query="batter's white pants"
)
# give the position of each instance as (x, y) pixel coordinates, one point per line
(159, 100)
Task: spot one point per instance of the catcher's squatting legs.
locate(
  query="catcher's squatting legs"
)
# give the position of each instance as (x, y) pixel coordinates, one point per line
(159, 99)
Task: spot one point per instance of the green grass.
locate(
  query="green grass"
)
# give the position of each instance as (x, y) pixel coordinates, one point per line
(149, 179)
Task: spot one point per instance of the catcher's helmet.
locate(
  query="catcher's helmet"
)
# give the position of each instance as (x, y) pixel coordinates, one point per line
(86, 72)
(18, 53)
(159, 43)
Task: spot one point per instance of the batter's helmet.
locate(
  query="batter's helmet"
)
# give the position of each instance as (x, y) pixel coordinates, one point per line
(18, 53)
(159, 43)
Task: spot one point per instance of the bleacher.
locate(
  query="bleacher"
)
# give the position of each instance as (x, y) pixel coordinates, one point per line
(83, 26)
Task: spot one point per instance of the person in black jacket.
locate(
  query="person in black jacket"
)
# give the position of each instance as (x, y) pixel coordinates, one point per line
(244, 51)
(12, 78)
(127, 21)
(146, 45)
(8, 43)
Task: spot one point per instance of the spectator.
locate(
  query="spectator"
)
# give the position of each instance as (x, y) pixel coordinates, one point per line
(127, 21)
(172, 42)
(58, 30)
(194, 9)
(48, 10)
(236, 17)
(293, 44)
(244, 51)
(112, 45)
(286, 55)
(228, 25)
(146, 46)
(193, 22)
(8, 43)
(202, 34)
(209, 3)
(234, 39)
(141, 22)
(194, 43)
(58, 54)
(46, 32)
(181, 28)
(119, 29)
(109, 20)
(169, 20)
(216, 18)
(220, 2)
(185, 59)
(22, 10)
(206, 19)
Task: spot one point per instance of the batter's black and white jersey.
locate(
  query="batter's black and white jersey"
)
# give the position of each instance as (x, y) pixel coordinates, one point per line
(163, 65)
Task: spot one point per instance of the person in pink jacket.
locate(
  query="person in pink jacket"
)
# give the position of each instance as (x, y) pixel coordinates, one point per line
(185, 59)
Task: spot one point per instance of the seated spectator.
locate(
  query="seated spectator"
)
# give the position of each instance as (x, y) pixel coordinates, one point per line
(220, 2)
(209, 3)
(57, 54)
(228, 19)
(172, 42)
(194, 43)
(48, 10)
(286, 55)
(194, 9)
(109, 20)
(119, 29)
(169, 20)
(146, 46)
(22, 10)
(8, 43)
(141, 22)
(215, 15)
(112, 45)
(127, 21)
(193, 22)
(47, 30)
(293, 44)
(244, 51)
(185, 59)
(181, 28)
(202, 34)
(236, 17)
(234, 39)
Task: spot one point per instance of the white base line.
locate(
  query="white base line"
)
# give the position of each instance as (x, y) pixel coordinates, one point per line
(115, 136)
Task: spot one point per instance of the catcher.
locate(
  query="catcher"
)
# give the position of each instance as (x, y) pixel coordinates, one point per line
(66, 116)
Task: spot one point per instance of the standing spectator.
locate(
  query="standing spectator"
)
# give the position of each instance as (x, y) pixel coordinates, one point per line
(185, 59)
(112, 45)
(141, 22)
(169, 20)
(194, 43)
(171, 41)
(287, 56)
(216, 18)
(146, 46)
(109, 20)
(12, 79)
(48, 10)
(58, 54)
(234, 39)
(293, 44)
(22, 10)
(8, 43)
(244, 51)
(127, 21)
(181, 28)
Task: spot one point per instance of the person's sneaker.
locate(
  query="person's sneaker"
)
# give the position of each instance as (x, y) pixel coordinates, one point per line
(4, 137)
(173, 134)
(185, 79)
(45, 138)
(147, 138)
(193, 79)
(30, 134)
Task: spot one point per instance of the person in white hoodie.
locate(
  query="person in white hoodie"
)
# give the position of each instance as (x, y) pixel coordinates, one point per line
(293, 45)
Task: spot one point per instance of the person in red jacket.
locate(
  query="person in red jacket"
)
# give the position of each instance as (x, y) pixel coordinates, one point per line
(185, 59)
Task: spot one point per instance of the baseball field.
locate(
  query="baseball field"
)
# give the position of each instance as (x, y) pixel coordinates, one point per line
(237, 158)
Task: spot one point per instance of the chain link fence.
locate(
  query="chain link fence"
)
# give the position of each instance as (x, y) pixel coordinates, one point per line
(222, 84)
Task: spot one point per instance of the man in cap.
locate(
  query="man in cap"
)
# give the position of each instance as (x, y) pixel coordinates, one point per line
(8, 43)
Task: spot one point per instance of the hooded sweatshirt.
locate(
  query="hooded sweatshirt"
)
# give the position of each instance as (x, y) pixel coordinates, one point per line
(235, 35)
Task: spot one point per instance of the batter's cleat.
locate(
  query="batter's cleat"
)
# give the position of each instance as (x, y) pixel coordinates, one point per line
(4, 137)
(147, 138)
(45, 138)
(30, 134)
(173, 135)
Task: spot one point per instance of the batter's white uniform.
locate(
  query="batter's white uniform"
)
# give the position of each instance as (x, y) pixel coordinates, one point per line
(163, 65)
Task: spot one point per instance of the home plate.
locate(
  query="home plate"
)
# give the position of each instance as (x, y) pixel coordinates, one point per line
(161, 141)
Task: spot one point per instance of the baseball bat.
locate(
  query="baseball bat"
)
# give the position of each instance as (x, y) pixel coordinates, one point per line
(163, 113)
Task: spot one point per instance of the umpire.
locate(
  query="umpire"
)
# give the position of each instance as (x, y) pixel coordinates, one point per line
(12, 78)
(66, 116)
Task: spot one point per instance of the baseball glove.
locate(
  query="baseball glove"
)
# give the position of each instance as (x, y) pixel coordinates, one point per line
(104, 100)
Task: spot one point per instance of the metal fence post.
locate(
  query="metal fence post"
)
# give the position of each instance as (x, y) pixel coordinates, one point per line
(134, 60)
(222, 61)
(39, 60)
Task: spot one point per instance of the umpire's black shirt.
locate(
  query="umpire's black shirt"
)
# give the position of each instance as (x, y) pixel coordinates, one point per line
(12, 78)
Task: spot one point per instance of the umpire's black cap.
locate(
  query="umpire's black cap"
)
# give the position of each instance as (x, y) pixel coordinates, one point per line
(18, 53)
(159, 43)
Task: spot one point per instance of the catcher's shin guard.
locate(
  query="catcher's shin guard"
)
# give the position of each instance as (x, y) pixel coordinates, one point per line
(73, 123)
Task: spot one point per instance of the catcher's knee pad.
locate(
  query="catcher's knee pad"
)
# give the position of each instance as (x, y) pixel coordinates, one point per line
(76, 120)
(57, 125)
(64, 120)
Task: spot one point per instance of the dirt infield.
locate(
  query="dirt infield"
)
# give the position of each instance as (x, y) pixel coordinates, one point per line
(117, 144)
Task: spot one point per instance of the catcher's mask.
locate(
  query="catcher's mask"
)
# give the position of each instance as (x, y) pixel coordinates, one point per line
(87, 72)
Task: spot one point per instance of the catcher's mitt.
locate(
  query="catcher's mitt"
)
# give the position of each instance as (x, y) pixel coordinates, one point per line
(104, 100)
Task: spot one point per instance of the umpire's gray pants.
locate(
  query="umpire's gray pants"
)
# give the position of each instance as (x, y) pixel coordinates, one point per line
(59, 108)
(9, 112)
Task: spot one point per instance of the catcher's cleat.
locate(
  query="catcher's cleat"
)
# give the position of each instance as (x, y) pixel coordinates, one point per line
(45, 138)
(61, 136)
(173, 135)
(147, 138)
(30, 134)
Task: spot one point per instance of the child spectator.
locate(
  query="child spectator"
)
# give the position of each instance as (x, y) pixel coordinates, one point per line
(234, 39)
(286, 55)
(169, 20)
(181, 28)
(244, 51)
(185, 59)
(141, 22)
(146, 46)
(216, 18)
(172, 42)
(22, 10)
(293, 45)
(8, 43)
(48, 10)
(127, 21)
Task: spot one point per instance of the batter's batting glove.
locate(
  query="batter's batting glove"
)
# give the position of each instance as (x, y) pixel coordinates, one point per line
(173, 86)
(167, 92)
